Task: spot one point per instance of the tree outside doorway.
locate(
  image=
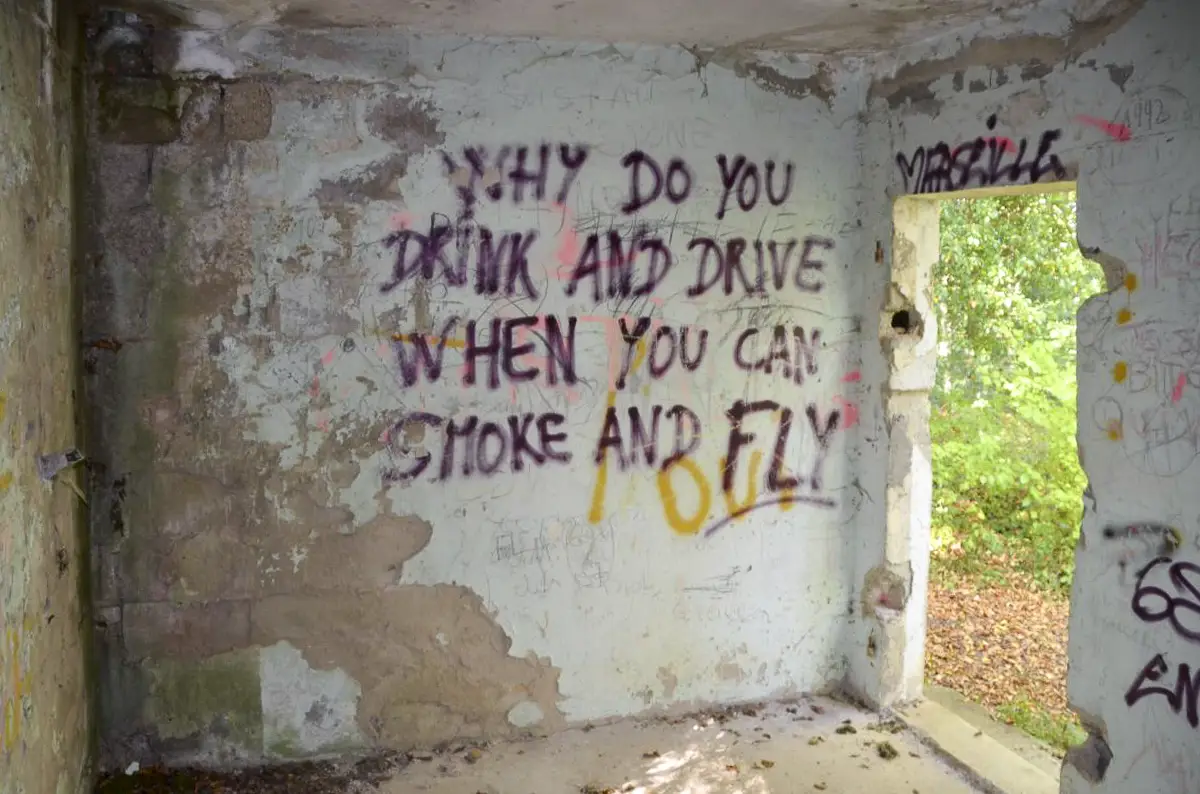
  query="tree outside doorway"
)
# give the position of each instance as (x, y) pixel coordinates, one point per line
(1007, 481)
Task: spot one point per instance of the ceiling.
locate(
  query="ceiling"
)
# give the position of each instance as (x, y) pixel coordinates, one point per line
(808, 26)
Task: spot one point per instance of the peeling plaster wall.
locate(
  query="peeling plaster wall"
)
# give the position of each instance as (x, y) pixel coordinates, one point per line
(45, 729)
(277, 574)
(1124, 97)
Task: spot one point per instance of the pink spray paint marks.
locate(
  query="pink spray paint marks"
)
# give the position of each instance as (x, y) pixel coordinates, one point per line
(1177, 392)
(849, 411)
(315, 388)
(1118, 132)
(1004, 144)
(569, 249)
(401, 221)
(320, 418)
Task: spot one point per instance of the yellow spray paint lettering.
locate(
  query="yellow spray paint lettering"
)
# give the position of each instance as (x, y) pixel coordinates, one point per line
(738, 510)
(689, 525)
(16, 687)
(635, 442)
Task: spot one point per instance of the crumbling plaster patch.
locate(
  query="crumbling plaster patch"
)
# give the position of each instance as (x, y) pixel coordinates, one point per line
(886, 589)
(212, 705)
(432, 664)
(306, 712)
(305, 529)
(323, 533)
(811, 26)
(1064, 41)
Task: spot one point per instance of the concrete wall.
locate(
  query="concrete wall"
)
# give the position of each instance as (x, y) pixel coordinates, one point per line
(310, 541)
(1117, 103)
(44, 623)
(289, 562)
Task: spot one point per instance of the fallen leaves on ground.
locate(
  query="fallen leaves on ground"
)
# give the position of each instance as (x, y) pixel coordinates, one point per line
(998, 644)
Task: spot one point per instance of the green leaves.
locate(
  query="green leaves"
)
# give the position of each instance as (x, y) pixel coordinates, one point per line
(1007, 480)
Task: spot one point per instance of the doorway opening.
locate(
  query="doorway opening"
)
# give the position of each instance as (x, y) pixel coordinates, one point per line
(1006, 479)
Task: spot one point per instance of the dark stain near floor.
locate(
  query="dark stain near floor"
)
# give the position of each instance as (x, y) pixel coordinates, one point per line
(312, 777)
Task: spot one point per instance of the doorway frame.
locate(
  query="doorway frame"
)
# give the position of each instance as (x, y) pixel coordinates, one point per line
(896, 591)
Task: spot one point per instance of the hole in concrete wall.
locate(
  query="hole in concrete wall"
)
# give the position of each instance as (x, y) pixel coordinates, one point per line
(1000, 442)
(904, 321)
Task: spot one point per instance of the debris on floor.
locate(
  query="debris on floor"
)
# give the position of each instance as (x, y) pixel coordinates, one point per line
(725, 751)
(324, 777)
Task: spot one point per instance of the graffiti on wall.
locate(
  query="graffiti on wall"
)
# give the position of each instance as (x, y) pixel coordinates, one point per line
(984, 162)
(1154, 114)
(1152, 408)
(1181, 695)
(1173, 598)
(624, 265)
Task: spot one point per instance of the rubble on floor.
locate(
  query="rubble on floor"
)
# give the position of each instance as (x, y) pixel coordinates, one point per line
(814, 744)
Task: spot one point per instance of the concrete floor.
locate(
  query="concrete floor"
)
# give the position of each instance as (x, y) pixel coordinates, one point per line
(776, 749)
